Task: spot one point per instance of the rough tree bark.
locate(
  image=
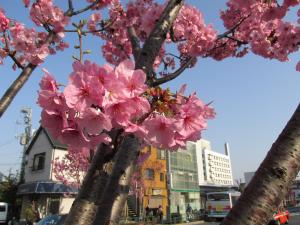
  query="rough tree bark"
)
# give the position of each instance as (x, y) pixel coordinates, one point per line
(117, 186)
(272, 179)
(84, 207)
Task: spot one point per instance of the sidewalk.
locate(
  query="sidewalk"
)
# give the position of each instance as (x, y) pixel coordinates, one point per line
(191, 223)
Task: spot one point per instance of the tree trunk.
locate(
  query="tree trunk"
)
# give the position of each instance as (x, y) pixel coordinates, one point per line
(116, 190)
(157, 37)
(84, 207)
(272, 179)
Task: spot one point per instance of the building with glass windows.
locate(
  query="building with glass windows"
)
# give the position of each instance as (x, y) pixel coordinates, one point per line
(183, 180)
(195, 171)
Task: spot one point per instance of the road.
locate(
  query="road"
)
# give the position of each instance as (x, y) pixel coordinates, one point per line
(294, 220)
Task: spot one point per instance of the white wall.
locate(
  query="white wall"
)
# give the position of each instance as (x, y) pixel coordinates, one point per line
(65, 205)
(41, 145)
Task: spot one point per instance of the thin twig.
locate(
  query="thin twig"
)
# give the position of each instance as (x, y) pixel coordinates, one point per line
(80, 46)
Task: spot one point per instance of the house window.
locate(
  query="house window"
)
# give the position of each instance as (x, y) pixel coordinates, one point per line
(38, 161)
(161, 154)
(161, 177)
(150, 174)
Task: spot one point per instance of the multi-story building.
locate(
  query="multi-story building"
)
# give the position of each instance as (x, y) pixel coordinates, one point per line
(183, 180)
(154, 171)
(195, 171)
(213, 168)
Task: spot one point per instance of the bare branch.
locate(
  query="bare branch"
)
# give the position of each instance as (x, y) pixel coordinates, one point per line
(157, 37)
(172, 76)
(135, 43)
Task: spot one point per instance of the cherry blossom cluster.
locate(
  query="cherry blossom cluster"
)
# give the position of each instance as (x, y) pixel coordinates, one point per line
(3, 22)
(101, 4)
(44, 13)
(192, 36)
(195, 36)
(28, 45)
(71, 168)
(98, 99)
(255, 25)
(263, 28)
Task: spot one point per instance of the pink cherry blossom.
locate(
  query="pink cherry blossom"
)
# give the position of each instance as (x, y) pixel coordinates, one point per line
(84, 89)
(3, 21)
(48, 83)
(94, 121)
(160, 131)
(43, 12)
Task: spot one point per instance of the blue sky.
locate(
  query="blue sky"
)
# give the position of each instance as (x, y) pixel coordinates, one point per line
(253, 97)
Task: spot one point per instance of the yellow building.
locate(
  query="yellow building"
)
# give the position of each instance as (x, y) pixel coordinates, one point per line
(154, 174)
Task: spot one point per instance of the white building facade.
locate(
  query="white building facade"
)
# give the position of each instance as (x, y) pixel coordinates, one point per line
(213, 168)
(41, 186)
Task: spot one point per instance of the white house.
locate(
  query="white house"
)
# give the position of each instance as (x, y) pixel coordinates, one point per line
(40, 185)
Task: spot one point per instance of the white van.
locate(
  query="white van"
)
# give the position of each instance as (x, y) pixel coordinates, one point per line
(4, 212)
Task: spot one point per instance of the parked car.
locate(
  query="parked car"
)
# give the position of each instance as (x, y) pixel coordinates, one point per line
(53, 220)
(280, 217)
(5, 212)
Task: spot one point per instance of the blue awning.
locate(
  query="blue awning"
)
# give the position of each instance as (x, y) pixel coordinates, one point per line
(44, 187)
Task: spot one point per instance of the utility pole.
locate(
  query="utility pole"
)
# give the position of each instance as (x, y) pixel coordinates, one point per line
(25, 138)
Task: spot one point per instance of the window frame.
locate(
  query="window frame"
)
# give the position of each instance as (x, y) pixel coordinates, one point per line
(147, 174)
(36, 165)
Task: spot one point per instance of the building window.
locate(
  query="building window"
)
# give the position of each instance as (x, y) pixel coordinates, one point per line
(149, 174)
(38, 161)
(161, 154)
(162, 177)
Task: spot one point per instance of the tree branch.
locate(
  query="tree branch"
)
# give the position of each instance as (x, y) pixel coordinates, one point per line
(157, 37)
(172, 76)
(135, 43)
(232, 30)
(71, 13)
(12, 56)
(16, 86)
(71, 7)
